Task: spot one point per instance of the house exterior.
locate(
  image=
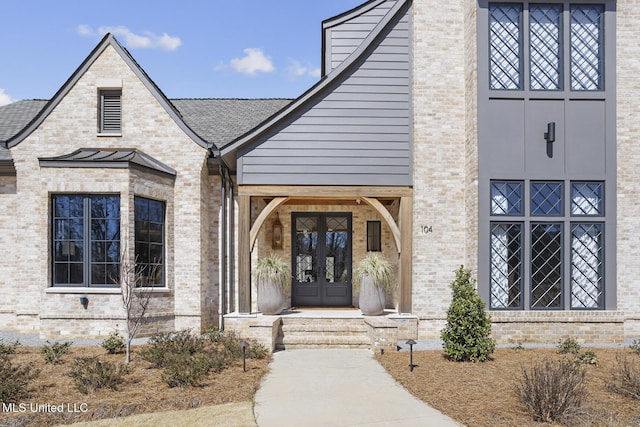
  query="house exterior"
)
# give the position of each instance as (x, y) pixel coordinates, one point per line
(495, 135)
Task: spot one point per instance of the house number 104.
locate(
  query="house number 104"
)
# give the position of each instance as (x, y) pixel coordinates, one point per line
(426, 229)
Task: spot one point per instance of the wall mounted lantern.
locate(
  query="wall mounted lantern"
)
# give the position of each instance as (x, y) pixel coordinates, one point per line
(84, 301)
(550, 134)
(276, 242)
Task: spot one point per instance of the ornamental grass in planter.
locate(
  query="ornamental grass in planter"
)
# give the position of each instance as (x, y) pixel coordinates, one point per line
(273, 278)
(374, 277)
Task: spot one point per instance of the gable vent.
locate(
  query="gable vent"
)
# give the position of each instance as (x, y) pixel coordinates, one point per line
(110, 111)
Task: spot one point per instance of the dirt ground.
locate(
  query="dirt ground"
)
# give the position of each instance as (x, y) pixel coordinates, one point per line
(482, 394)
(475, 394)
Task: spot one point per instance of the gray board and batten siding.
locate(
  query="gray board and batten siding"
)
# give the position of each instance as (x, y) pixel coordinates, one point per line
(356, 128)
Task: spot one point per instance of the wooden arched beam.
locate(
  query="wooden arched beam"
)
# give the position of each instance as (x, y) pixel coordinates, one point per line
(384, 213)
(273, 205)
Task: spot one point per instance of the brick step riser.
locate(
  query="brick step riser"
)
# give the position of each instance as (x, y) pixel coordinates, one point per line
(323, 333)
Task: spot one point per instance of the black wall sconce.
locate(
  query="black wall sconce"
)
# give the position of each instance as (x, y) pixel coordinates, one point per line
(84, 301)
(550, 134)
(276, 242)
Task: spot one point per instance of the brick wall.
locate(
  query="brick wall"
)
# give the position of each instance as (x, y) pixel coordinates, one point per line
(440, 157)
(192, 206)
(628, 156)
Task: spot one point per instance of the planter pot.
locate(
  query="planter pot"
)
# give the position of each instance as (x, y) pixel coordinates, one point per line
(372, 297)
(270, 298)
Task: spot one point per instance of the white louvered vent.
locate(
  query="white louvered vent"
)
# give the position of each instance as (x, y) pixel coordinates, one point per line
(110, 111)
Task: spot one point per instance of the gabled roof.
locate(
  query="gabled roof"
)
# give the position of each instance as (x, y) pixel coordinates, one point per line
(229, 152)
(108, 40)
(107, 158)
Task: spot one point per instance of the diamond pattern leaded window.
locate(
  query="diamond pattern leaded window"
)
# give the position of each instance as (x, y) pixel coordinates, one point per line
(506, 198)
(505, 45)
(544, 52)
(586, 265)
(546, 198)
(586, 199)
(546, 265)
(506, 265)
(586, 47)
(544, 43)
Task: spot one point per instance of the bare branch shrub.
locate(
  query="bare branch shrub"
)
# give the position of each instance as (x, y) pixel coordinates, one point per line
(626, 377)
(552, 390)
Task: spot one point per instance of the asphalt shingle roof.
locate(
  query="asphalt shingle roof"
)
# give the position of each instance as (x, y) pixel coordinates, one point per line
(14, 117)
(222, 120)
(216, 120)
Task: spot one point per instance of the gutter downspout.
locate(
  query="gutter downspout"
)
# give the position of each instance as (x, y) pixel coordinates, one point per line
(223, 244)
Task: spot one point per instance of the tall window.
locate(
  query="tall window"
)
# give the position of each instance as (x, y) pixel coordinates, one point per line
(86, 239)
(149, 241)
(374, 236)
(532, 243)
(110, 111)
(543, 57)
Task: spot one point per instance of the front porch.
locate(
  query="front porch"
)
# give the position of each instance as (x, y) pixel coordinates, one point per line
(325, 328)
(260, 206)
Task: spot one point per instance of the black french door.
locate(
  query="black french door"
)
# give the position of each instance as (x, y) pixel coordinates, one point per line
(321, 259)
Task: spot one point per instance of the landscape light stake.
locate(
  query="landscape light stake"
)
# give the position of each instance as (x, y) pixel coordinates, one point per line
(411, 343)
(244, 346)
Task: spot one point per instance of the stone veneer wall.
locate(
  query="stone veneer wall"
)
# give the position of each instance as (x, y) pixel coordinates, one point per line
(145, 126)
(628, 157)
(440, 158)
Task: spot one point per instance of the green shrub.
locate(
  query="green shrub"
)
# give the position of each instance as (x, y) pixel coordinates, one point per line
(114, 344)
(14, 380)
(467, 335)
(53, 353)
(626, 377)
(568, 346)
(90, 374)
(552, 390)
(586, 357)
(186, 370)
(230, 343)
(163, 346)
(214, 334)
(8, 348)
(635, 346)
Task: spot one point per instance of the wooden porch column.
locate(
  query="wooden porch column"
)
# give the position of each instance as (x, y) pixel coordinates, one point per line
(405, 218)
(244, 254)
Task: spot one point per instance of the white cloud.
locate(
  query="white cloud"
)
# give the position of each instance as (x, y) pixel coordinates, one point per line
(5, 98)
(253, 62)
(146, 40)
(297, 69)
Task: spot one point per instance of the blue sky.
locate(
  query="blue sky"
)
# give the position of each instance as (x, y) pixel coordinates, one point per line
(191, 49)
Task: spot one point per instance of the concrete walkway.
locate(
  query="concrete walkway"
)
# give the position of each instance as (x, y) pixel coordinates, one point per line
(337, 388)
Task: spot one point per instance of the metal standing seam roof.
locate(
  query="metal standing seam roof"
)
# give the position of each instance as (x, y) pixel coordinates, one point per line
(216, 120)
(107, 158)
